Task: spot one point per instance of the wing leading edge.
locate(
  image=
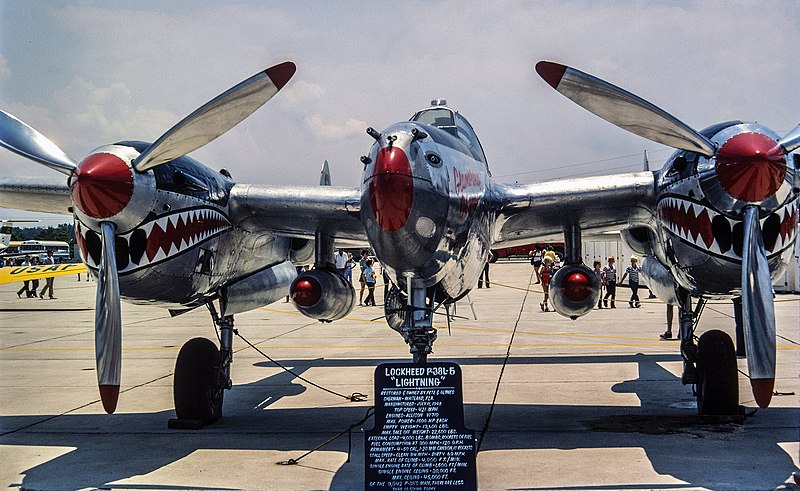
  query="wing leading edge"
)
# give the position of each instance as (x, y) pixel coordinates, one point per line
(299, 211)
(540, 211)
(35, 195)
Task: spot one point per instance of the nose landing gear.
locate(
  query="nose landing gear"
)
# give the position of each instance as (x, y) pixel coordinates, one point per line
(414, 321)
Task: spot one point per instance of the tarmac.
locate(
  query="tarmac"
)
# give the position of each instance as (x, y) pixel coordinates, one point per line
(595, 403)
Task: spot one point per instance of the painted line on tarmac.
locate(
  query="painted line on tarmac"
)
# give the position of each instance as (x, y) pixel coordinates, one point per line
(390, 346)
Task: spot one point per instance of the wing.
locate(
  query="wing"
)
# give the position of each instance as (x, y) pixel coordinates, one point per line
(299, 211)
(597, 204)
(35, 195)
(25, 273)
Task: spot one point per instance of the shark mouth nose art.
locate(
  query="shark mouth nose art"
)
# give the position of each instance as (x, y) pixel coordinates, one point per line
(156, 240)
(709, 230)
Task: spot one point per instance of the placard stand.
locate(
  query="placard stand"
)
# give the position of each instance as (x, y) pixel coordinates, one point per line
(419, 442)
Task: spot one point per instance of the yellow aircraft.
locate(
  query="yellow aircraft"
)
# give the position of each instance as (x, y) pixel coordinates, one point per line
(24, 273)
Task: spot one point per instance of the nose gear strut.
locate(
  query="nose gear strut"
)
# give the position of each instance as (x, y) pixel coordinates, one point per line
(417, 328)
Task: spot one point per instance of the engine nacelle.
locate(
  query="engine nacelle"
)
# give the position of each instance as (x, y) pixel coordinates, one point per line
(301, 251)
(574, 290)
(322, 295)
(259, 289)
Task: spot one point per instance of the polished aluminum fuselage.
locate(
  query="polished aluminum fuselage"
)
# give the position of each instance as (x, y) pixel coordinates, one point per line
(446, 238)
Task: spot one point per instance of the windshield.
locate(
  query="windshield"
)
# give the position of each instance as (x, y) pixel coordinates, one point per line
(453, 123)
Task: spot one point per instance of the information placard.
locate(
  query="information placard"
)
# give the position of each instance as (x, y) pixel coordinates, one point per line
(419, 442)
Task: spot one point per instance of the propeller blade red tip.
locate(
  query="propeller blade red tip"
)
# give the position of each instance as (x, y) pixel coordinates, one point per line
(280, 74)
(551, 72)
(762, 390)
(109, 394)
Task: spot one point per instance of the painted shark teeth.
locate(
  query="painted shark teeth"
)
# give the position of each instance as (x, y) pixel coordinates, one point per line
(713, 232)
(162, 238)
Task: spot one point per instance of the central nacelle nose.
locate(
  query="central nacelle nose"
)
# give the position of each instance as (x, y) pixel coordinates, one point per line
(391, 189)
(404, 202)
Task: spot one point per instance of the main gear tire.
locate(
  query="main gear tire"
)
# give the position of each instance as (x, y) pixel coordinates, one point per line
(717, 375)
(196, 390)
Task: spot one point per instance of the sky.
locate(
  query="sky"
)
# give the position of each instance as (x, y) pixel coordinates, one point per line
(88, 73)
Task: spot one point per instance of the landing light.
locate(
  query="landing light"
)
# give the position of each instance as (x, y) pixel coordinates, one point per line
(306, 293)
(577, 287)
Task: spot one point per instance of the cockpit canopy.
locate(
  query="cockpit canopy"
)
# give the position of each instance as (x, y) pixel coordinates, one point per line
(442, 117)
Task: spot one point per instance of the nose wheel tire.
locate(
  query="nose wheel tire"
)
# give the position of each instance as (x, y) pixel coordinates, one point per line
(395, 308)
(717, 376)
(196, 390)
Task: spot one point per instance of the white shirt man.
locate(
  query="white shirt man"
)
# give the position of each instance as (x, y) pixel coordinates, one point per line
(340, 260)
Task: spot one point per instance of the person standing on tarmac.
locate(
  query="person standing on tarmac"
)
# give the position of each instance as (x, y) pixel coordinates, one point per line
(48, 282)
(485, 273)
(546, 273)
(632, 272)
(362, 281)
(370, 278)
(536, 261)
(25, 284)
(340, 261)
(610, 282)
(599, 273)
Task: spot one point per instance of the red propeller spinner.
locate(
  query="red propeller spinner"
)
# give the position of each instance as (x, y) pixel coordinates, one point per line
(751, 166)
(102, 185)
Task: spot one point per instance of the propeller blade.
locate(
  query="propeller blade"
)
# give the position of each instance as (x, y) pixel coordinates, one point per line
(26, 141)
(623, 109)
(216, 117)
(108, 322)
(791, 141)
(758, 310)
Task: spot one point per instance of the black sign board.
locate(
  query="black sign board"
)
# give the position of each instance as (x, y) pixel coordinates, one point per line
(419, 442)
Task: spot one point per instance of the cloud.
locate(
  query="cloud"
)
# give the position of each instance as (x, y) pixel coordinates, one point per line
(97, 115)
(133, 72)
(334, 131)
(301, 92)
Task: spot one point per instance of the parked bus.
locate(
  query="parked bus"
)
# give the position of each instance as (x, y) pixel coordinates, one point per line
(39, 248)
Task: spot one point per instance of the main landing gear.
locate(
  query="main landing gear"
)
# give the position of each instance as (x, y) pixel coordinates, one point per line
(202, 374)
(710, 364)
